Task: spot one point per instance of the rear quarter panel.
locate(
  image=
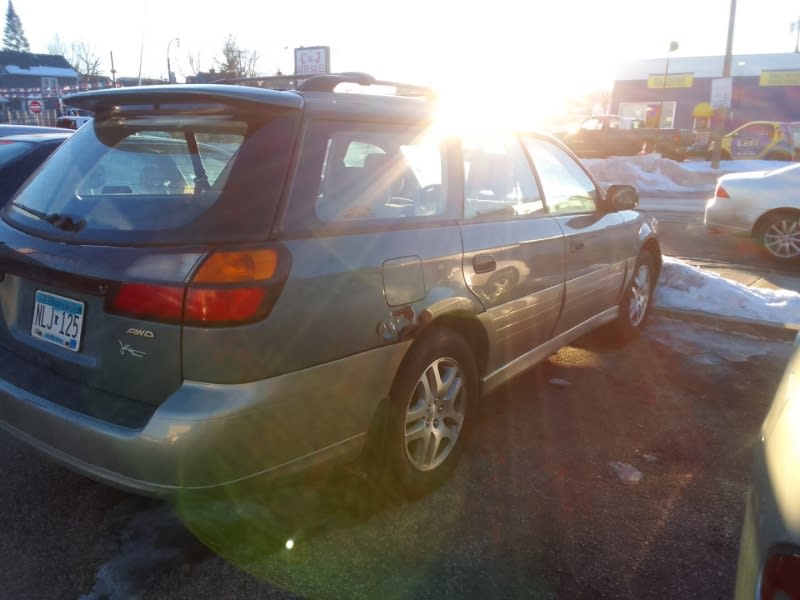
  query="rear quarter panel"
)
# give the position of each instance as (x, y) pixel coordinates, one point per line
(333, 305)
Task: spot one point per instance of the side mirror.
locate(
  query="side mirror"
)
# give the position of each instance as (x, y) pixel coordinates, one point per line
(622, 197)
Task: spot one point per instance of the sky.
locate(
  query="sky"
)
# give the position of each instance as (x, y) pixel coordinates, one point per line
(569, 46)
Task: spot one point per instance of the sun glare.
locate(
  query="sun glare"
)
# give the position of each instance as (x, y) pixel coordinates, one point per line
(504, 108)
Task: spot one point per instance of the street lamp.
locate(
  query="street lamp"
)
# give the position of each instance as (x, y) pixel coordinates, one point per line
(672, 47)
(170, 78)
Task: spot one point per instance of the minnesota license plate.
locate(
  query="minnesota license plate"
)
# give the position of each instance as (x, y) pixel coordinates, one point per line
(57, 320)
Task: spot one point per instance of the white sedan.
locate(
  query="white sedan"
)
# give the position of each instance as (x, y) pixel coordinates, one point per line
(762, 204)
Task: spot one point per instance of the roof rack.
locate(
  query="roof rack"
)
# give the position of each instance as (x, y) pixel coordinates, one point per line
(274, 82)
(328, 82)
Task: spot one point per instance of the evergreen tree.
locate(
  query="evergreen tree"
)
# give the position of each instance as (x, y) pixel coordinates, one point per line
(13, 36)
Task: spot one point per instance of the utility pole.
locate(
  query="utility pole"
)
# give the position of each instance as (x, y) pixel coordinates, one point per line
(672, 47)
(722, 112)
(796, 28)
(113, 70)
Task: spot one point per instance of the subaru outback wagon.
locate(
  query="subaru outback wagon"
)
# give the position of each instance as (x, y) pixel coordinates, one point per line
(216, 283)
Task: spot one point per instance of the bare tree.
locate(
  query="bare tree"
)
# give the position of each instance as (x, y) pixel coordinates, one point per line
(80, 55)
(194, 63)
(84, 60)
(241, 63)
(58, 47)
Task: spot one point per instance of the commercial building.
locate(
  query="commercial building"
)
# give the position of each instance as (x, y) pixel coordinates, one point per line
(764, 87)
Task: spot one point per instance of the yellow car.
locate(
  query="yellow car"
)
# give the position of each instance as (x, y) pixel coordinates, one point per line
(757, 140)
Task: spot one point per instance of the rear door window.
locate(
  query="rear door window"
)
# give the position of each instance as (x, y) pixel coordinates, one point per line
(359, 173)
(498, 182)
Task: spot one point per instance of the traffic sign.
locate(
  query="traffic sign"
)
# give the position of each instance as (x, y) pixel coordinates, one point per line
(721, 92)
(35, 106)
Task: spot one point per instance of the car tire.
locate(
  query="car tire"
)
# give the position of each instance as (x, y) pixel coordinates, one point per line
(778, 156)
(431, 406)
(723, 155)
(637, 300)
(778, 236)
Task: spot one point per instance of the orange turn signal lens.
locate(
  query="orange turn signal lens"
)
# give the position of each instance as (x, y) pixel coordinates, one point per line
(238, 267)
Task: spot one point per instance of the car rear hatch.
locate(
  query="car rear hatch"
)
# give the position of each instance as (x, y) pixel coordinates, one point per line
(154, 217)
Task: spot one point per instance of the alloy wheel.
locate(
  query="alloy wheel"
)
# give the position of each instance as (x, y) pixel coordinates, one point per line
(782, 237)
(640, 295)
(435, 414)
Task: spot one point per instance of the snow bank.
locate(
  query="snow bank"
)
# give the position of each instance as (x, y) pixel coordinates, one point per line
(654, 173)
(686, 287)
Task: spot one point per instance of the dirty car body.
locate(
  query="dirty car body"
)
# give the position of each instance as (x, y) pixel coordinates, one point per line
(769, 552)
(213, 284)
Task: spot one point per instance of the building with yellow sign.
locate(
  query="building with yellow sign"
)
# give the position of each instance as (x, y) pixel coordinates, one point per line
(678, 93)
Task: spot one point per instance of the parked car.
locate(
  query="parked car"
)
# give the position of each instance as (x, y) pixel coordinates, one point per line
(72, 122)
(762, 204)
(601, 136)
(331, 279)
(794, 127)
(21, 155)
(757, 140)
(8, 129)
(769, 552)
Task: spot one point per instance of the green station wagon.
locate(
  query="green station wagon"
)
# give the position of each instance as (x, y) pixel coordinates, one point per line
(211, 284)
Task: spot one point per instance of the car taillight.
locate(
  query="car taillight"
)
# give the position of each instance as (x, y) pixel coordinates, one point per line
(721, 192)
(229, 288)
(781, 577)
(147, 301)
(232, 287)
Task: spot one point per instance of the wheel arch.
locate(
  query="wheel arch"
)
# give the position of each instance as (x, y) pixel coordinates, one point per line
(468, 326)
(654, 248)
(462, 323)
(769, 214)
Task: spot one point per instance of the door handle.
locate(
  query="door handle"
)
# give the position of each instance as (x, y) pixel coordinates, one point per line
(575, 245)
(483, 263)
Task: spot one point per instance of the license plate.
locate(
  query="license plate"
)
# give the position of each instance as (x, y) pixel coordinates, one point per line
(57, 320)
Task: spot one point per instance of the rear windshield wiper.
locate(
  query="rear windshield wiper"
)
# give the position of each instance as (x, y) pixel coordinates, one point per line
(63, 222)
(201, 183)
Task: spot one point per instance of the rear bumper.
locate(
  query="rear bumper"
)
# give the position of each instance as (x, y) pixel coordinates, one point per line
(206, 436)
(727, 218)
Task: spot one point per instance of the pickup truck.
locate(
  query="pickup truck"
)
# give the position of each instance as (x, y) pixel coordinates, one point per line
(601, 136)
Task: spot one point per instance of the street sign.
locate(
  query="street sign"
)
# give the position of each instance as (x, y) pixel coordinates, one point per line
(312, 61)
(721, 92)
(35, 106)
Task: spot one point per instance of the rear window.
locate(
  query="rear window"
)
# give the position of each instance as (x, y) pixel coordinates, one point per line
(11, 150)
(152, 180)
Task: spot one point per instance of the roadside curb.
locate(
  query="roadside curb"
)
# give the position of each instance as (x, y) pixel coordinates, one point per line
(767, 329)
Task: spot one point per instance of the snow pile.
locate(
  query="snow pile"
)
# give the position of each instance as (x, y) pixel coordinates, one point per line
(683, 286)
(654, 173)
